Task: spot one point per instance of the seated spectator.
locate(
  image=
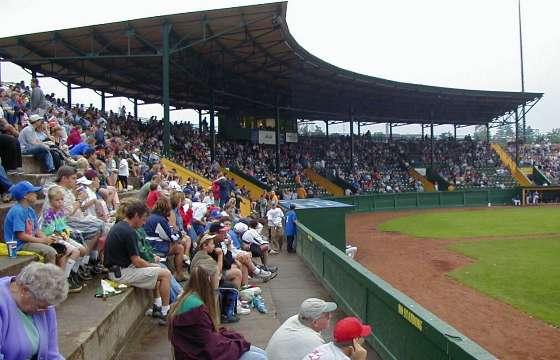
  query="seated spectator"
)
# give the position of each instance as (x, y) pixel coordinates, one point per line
(121, 252)
(153, 195)
(10, 149)
(147, 187)
(27, 302)
(83, 148)
(53, 223)
(301, 333)
(231, 272)
(31, 145)
(254, 242)
(164, 240)
(21, 224)
(348, 337)
(245, 257)
(194, 326)
(177, 201)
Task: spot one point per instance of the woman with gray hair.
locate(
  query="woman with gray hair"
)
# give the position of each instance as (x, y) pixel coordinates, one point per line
(27, 316)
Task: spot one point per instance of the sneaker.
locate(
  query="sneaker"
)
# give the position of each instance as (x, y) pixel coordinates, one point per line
(272, 269)
(242, 310)
(263, 274)
(84, 274)
(162, 321)
(230, 320)
(156, 311)
(73, 287)
(273, 252)
(272, 276)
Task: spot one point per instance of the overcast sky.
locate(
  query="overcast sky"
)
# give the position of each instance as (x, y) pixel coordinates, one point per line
(464, 44)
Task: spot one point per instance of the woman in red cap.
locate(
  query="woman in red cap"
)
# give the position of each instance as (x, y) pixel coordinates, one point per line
(348, 337)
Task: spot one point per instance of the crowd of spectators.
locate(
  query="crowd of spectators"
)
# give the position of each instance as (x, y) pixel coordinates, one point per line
(544, 156)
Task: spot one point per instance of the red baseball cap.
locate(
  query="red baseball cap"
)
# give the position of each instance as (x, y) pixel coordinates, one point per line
(349, 329)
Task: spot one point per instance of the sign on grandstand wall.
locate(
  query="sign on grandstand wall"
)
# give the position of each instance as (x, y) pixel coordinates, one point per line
(267, 137)
(291, 137)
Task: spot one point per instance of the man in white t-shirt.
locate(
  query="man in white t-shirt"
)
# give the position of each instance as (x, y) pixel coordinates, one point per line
(275, 216)
(348, 337)
(300, 334)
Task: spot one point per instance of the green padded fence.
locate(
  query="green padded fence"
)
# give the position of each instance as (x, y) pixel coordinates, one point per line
(402, 329)
(443, 199)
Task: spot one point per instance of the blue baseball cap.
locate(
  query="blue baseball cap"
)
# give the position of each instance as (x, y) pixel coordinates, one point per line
(22, 188)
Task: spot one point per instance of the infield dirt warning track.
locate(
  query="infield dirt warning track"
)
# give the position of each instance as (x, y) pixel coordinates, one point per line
(417, 267)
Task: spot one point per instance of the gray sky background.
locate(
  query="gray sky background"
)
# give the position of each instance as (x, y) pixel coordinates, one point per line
(465, 44)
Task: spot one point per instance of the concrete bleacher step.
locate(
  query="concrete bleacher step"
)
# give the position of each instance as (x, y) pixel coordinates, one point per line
(35, 179)
(31, 165)
(91, 328)
(12, 266)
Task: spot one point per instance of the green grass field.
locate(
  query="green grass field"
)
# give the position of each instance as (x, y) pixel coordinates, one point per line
(478, 223)
(522, 272)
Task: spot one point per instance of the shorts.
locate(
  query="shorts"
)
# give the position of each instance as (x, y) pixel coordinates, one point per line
(44, 250)
(256, 250)
(70, 245)
(143, 278)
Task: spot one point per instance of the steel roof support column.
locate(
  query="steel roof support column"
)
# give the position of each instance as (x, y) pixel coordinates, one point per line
(488, 134)
(422, 131)
(200, 121)
(136, 109)
(212, 130)
(351, 136)
(327, 128)
(359, 129)
(103, 101)
(165, 31)
(277, 130)
(69, 94)
(34, 74)
(432, 144)
(455, 132)
(390, 131)
(517, 137)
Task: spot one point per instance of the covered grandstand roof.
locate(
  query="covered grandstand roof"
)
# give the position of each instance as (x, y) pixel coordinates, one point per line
(248, 57)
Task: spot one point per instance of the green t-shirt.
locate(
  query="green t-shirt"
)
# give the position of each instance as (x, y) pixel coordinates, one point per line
(144, 248)
(192, 301)
(30, 330)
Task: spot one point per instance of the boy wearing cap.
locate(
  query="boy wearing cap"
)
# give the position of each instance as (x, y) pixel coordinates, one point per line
(348, 337)
(21, 223)
(301, 333)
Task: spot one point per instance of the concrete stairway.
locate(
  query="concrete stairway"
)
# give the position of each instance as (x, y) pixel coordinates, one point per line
(517, 174)
(323, 182)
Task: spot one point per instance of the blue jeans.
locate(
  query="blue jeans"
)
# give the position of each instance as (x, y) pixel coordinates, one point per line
(176, 288)
(254, 353)
(5, 183)
(42, 152)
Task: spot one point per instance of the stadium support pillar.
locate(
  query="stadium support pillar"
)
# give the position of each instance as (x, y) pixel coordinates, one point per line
(455, 132)
(212, 129)
(200, 121)
(69, 94)
(165, 31)
(432, 144)
(359, 129)
(277, 130)
(488, 133)
(351, 136)
(34, 74)
(136, 109)
(103, 101)
(327, 128)
(390, 131)
(422, 131)
(517, 137)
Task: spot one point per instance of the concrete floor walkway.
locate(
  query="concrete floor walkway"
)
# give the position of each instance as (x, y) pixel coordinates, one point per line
(283, 296)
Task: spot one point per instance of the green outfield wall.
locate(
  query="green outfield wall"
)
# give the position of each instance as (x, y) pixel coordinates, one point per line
(402, 329)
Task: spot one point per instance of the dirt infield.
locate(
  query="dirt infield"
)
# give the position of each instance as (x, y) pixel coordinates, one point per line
(417, 267)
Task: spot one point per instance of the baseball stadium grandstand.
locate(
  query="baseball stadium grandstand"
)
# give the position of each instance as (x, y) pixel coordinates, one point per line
(125, 224)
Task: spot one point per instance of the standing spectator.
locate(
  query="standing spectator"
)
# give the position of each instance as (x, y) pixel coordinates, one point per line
(123, 173)
(31, 145)
(301, 333)
(291, 229)
(275, 216)
(27, 314)
(38, 100)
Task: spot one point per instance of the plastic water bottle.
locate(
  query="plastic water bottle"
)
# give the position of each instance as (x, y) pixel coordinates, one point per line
(258, 303)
